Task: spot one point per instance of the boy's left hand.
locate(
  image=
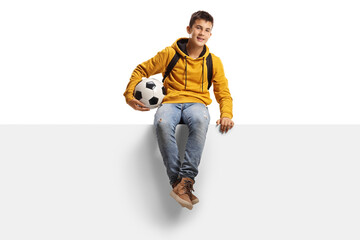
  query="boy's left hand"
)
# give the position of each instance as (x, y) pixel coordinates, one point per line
(226, 124)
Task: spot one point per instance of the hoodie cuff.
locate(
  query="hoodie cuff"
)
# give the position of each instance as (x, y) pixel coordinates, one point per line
(227, 115)
(129, 97)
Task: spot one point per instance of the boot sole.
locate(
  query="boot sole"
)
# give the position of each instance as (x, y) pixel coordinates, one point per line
(181, 201)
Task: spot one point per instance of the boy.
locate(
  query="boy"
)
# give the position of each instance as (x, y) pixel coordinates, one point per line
(186, 102)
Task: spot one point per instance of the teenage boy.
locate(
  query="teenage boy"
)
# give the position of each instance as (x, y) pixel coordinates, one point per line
(186, 102)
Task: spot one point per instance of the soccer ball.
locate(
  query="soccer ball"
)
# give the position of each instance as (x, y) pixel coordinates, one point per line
(150, 92)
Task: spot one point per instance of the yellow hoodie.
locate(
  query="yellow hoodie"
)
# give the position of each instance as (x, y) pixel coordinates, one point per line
(187, 82)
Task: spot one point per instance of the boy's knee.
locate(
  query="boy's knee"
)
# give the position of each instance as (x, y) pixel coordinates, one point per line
(162, 125)
(158, 122)
(200, 120)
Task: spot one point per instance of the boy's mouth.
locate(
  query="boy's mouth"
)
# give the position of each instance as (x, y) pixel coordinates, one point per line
(200, 39)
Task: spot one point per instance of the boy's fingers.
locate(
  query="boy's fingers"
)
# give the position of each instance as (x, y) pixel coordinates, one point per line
(140, 108)
(225, 124)
(137, 105)
(141, 104)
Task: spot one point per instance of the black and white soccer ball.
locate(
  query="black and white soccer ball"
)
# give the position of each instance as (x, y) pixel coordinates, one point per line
(150, 92)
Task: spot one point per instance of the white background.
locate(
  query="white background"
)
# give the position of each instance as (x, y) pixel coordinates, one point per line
(287, 62)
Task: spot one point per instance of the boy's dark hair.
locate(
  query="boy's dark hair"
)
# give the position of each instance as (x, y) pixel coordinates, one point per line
(201, 15)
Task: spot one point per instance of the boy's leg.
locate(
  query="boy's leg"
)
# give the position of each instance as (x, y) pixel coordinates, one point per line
(196, 117)
(166, 119)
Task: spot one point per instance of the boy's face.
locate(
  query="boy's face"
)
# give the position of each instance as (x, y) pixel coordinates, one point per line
(200, 32)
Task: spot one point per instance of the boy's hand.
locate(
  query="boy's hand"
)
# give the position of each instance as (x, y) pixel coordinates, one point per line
(226, 124)
(137, 105)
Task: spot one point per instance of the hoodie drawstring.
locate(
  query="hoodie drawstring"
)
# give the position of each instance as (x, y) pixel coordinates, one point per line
(202, 76)
(185, 72)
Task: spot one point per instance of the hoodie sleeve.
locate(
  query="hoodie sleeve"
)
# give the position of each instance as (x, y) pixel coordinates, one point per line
(146, 69)
(221, 89)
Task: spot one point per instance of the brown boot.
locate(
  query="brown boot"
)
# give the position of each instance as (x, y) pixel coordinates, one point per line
(176, 183)
(182, 192)
(193, 198)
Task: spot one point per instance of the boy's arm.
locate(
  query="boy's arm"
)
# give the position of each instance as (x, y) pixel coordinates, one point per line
(221, 89)
(146, 69)
(223, 96)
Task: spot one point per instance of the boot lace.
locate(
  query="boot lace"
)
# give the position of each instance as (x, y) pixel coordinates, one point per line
(188, 187)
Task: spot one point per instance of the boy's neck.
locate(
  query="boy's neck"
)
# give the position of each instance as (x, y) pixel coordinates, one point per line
(193, 50)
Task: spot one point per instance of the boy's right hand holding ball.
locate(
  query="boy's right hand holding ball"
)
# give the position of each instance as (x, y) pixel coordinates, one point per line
(137, 105)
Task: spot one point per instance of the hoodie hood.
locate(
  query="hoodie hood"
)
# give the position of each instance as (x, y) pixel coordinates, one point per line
(180, 47)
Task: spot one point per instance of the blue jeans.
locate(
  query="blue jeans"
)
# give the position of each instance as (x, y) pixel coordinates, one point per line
(196, 117)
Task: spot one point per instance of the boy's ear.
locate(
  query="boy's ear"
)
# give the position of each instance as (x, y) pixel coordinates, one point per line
(188, 30)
